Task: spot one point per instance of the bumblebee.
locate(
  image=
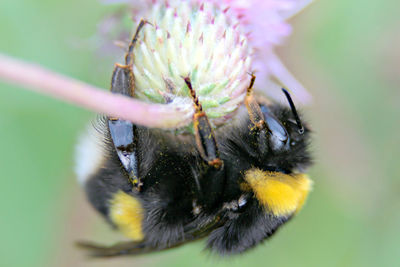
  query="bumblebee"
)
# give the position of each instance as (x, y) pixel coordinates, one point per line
(235, 185)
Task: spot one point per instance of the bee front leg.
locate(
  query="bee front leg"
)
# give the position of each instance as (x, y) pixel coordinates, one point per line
(124, 133)
(271, 134)
(253, 108)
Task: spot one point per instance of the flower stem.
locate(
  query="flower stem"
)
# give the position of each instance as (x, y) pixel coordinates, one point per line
(39, 79)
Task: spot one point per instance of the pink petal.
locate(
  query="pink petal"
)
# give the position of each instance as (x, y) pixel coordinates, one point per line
(279, 71)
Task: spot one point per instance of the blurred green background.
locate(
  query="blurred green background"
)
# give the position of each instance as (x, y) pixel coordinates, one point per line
(345, 52)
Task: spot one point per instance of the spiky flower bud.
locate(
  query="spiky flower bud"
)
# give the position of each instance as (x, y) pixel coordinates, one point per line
(187, 39)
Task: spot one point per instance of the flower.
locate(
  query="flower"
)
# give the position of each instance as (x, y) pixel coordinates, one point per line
(215, 43)
(186, 37)
(200, 41)
(264, 23)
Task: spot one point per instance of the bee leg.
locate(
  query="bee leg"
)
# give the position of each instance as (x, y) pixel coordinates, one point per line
(209, 189)
(205, 138)
(253, 108)
(123, 133)
(119, 249)
(268, 128)
(125, 248)
(129, 55)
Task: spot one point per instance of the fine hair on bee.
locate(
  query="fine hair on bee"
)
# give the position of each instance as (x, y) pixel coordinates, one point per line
(235, 185)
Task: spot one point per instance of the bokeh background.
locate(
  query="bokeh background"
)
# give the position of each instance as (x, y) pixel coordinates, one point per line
(345, 52)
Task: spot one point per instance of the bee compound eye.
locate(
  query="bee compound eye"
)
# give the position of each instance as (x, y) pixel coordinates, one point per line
(276, 129)
(277, 135)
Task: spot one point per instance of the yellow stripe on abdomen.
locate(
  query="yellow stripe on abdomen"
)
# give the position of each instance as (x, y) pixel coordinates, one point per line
(126, 213)
(282, 194)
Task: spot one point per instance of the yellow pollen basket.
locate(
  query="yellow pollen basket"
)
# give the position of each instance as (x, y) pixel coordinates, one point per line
(282, 194)
(126, 213)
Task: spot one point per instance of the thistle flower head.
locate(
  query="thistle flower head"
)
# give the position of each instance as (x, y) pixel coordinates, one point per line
(215, 42)
(264, 24)
(210, 41)
(200, 41)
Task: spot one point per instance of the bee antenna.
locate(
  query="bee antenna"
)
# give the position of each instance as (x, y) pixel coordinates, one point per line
(294, 111)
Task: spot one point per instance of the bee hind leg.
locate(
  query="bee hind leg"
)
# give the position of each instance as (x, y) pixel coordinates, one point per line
(123, 133)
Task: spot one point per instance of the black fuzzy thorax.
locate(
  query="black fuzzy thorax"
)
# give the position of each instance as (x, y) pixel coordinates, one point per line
(185, 199)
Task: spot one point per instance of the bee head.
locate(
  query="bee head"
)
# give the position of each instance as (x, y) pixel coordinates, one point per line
(278, 142)
(282, 145)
